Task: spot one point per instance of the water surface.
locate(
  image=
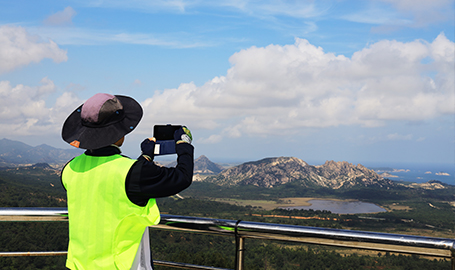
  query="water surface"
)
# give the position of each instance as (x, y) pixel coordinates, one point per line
(341, 207)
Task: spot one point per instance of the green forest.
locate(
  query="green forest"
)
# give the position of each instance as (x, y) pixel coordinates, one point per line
(427, 213)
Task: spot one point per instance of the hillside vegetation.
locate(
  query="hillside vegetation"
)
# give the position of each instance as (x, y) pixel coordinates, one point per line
(418, 210)
(32, 186)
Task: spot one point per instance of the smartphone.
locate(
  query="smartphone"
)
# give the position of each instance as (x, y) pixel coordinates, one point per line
(164, 132)
(164, 135)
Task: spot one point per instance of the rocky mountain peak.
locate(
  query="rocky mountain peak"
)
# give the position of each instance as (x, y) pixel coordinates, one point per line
(268, 172)
(345, 174)
(204, 166)
(272, 172)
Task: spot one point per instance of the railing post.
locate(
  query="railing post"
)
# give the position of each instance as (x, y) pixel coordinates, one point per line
(239, 247)
(453, 259)
(239, 253)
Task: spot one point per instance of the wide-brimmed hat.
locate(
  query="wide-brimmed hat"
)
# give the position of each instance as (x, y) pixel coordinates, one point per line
(101, 121)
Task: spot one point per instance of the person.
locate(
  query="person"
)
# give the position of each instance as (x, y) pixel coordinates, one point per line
(110, 197)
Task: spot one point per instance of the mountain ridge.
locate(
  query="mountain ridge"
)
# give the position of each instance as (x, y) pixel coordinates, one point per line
(273, 172)
(14, 153)
(268, 172)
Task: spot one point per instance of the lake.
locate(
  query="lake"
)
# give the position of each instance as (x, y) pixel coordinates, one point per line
(341, 207)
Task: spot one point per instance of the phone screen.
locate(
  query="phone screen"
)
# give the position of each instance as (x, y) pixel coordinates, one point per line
(164, 132)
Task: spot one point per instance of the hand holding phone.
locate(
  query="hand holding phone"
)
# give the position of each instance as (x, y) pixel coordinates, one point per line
(148, 148)
(183, 135)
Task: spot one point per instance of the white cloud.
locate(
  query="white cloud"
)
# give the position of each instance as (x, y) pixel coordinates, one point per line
(282, 89)
(63, 17)
(23, 110)
(18, 48)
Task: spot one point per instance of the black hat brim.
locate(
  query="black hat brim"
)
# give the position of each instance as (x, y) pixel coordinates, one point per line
(81, 136)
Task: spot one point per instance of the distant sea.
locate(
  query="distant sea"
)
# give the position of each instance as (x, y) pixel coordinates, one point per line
(417, 173)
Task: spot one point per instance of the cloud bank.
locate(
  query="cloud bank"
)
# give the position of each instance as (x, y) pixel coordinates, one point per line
(23, 109)
(276, 89)
(18, 48)
(267, 91)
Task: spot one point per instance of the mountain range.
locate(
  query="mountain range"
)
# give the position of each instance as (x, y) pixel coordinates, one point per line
(268, 172)
(13, 153)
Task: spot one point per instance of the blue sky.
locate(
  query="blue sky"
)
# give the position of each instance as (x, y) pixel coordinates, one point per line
(361, 81)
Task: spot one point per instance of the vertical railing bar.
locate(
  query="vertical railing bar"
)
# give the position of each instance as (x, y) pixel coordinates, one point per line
(239, 264)
(453, 259)
(239, 247)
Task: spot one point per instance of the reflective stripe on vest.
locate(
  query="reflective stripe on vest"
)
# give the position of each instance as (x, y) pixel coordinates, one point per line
(105, 226)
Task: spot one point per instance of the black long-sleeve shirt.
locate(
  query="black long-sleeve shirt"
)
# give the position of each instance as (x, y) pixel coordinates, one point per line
(146, 180)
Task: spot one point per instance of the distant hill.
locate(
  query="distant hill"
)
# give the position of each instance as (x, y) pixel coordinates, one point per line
(202, 165)
(272, 172)
(13, 153)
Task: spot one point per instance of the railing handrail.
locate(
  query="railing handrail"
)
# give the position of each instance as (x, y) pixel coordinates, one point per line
(409, 244)
(273, 231)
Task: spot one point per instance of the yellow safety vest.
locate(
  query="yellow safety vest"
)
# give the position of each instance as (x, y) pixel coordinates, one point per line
(105, 227)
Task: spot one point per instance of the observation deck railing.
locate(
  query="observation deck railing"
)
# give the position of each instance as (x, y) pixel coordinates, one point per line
(406, 244)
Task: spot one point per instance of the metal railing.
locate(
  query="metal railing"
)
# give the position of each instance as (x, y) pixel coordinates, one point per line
(407, 244)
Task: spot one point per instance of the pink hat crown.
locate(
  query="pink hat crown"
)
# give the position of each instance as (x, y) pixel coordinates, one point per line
(99, 107)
